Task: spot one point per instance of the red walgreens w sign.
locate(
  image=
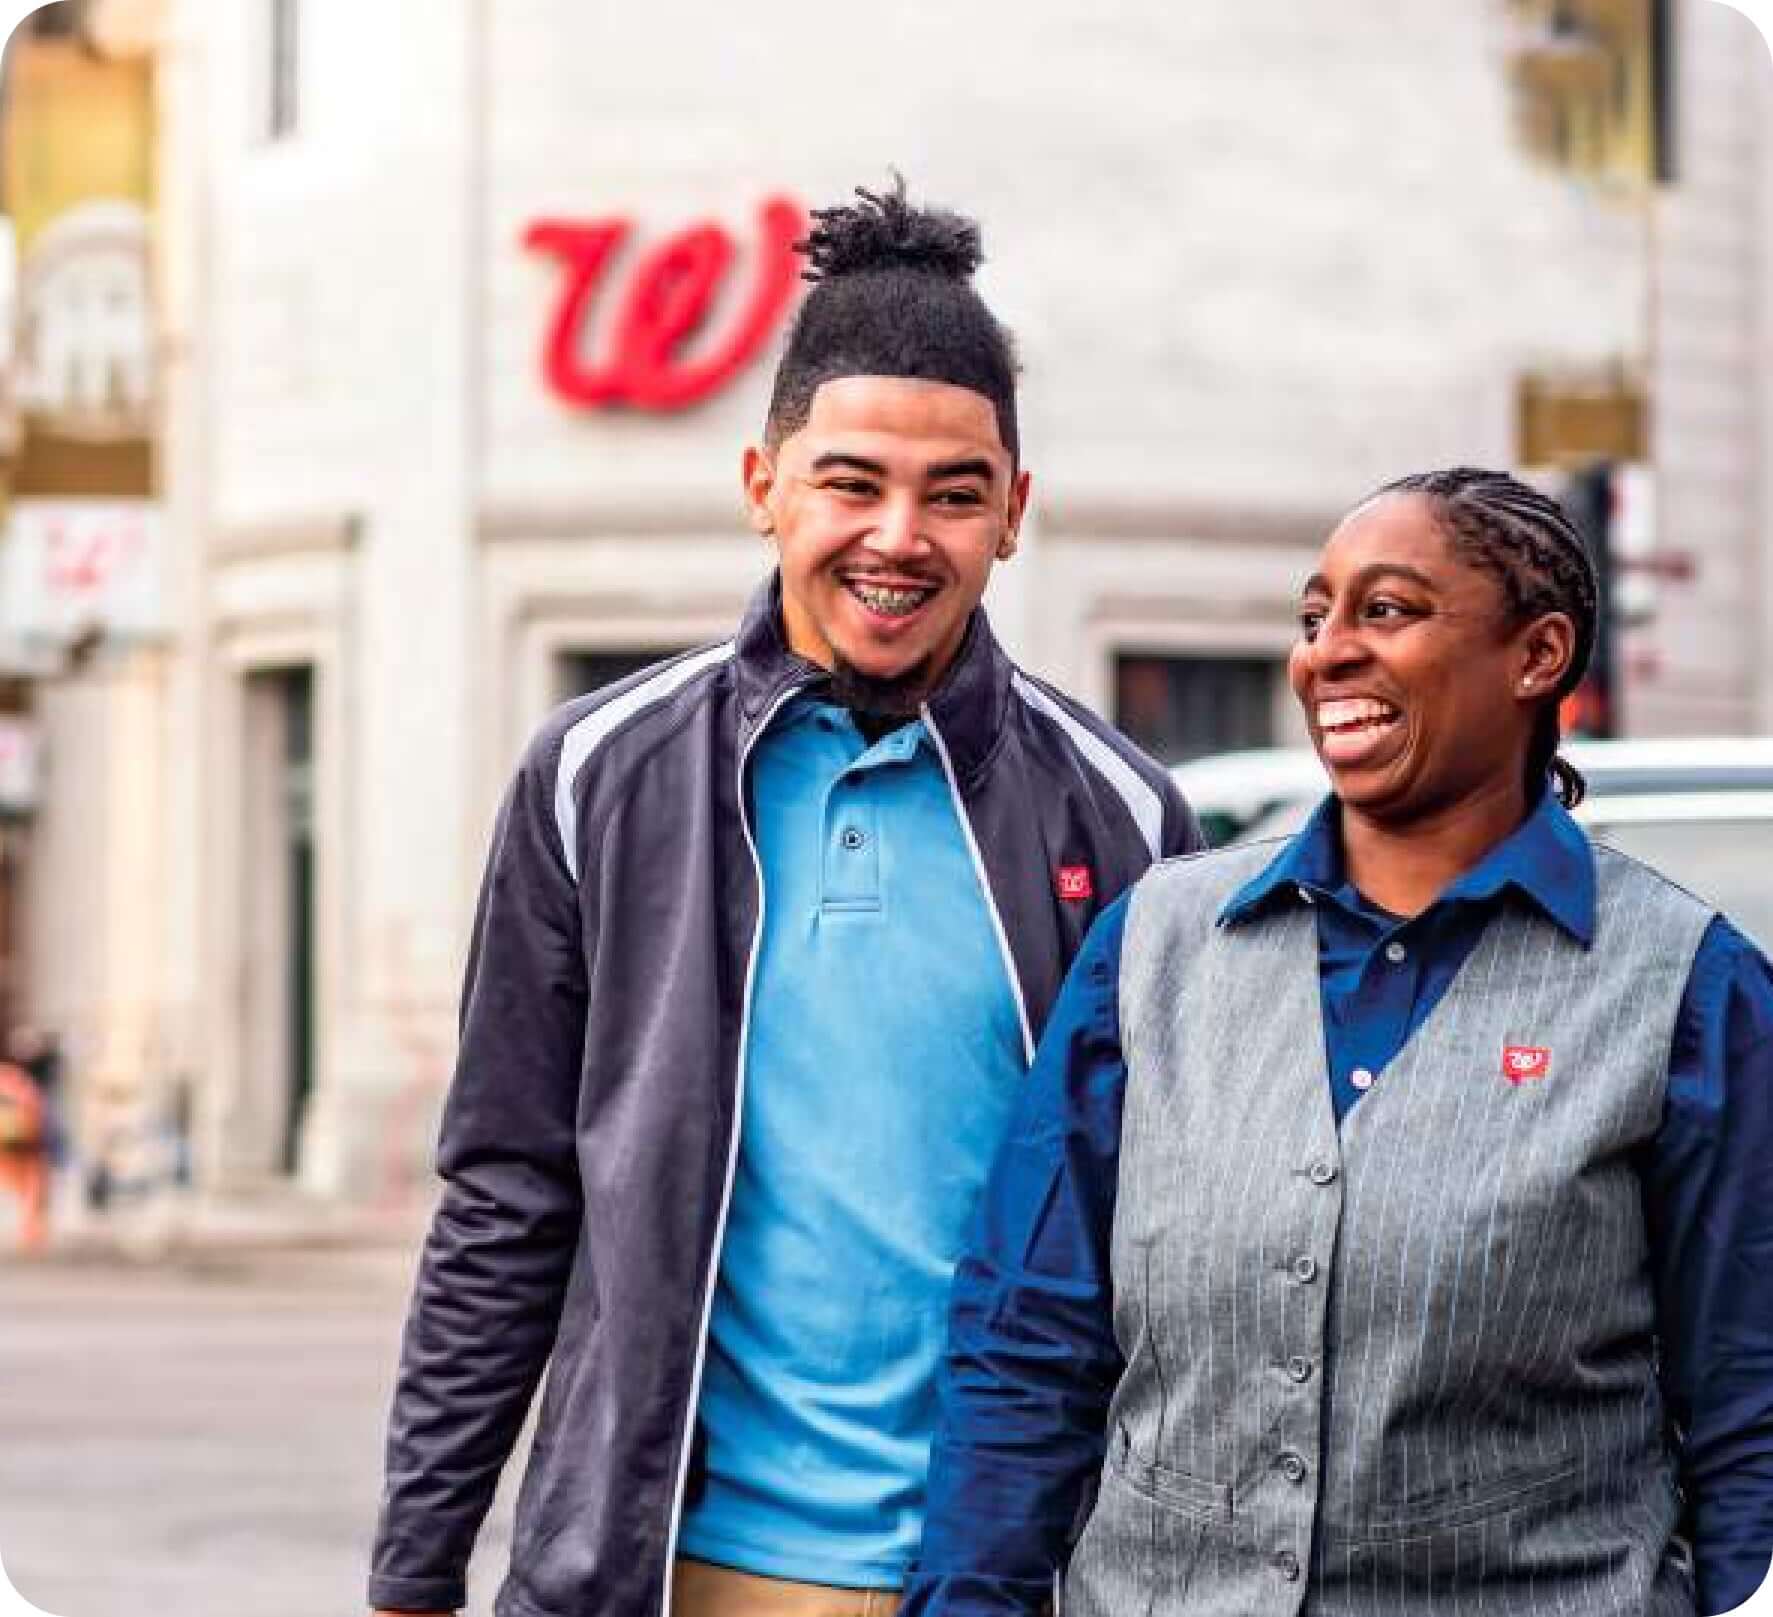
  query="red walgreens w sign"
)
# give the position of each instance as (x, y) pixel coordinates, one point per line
(665, 301)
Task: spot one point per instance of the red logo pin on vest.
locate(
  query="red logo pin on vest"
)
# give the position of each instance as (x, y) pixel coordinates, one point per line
(1074, 883)
(1525, 1063)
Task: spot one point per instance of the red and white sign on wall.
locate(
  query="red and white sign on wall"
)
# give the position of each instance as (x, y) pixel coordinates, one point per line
(74, 567)
(667, 327)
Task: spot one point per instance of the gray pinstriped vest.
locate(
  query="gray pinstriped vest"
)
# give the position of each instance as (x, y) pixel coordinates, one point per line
(1408, 1367)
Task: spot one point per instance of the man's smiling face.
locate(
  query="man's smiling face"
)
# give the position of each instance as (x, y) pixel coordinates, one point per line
(888, 507)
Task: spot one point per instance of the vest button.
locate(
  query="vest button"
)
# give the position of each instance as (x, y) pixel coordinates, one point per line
(1287, 1564)
(1292, 1468)
(1299, 1367)
(1322, 1172)
(1305, 1270)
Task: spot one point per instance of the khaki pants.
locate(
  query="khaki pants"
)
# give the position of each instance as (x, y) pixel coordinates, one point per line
(701, 1590)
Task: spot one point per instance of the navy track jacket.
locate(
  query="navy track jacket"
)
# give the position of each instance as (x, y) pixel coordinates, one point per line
(589, 1138)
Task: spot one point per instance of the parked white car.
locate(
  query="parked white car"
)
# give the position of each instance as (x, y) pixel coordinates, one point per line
(1700, 811)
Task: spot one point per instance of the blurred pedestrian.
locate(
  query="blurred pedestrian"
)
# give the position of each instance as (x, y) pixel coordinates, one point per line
(822, 882)
(24, 1153)
(1388, 1222)
(39, 1052)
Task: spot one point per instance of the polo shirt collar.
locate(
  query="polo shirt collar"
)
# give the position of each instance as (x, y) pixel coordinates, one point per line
(968, 707)
(1547, 860)
(808, 706)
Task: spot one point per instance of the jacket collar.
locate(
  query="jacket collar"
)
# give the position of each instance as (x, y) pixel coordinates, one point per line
(1545, 860)
(967, 708)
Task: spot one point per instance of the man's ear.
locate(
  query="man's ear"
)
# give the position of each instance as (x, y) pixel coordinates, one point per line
(1006, 546)
(758, 474)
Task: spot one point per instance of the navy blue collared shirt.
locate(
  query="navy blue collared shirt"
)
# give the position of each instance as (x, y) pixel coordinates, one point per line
(1381, 975)
(1026, 1386)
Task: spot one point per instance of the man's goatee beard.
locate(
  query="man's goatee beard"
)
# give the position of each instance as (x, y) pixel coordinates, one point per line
(897, 696)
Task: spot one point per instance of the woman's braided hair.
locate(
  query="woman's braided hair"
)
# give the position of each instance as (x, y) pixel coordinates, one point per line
(1527, 542)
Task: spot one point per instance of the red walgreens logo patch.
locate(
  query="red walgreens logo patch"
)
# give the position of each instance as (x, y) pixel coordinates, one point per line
(1074, 883)
(1523, 1063)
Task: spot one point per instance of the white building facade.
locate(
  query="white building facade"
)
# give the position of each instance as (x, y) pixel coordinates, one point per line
(1259, 257)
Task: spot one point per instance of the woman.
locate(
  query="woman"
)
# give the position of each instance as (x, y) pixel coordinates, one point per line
(1388, 1224)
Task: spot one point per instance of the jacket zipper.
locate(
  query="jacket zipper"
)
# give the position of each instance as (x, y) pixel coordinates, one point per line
(675, 1524)
(997, 926)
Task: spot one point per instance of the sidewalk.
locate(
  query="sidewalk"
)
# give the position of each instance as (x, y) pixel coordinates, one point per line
(180, 1223)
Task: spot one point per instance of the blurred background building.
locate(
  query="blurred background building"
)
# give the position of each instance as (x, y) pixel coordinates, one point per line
(376, 385)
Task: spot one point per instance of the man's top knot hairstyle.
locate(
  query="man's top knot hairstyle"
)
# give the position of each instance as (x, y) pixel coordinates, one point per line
(1527, 542)
(892, 295)
(883, 231)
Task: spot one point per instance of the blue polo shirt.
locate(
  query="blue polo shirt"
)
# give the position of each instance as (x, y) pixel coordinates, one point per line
(1028, 1386)
(884, 1054)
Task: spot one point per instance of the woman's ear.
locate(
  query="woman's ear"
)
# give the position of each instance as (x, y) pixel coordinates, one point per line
(1547, 649)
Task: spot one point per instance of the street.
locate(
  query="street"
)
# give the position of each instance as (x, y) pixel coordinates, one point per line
(202, 1437)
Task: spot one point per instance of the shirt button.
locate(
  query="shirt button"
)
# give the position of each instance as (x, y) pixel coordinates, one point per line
(1299, 1367)
(1305, 1270)
(1287, 1564)
(852, 838)
(1361, 1078)
(1322, 1172)
(1292, 1468)
(1396, 953)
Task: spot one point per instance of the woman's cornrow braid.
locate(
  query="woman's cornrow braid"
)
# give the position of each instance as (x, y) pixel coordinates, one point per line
(1528, 543)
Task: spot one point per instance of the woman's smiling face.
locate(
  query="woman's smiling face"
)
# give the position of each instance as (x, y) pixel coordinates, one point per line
(1418, 690)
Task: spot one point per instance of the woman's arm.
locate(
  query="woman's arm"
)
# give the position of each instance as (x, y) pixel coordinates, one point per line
(1032, 1359)
(1709, 1197)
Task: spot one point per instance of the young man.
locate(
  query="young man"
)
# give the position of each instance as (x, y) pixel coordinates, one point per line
(766, 937)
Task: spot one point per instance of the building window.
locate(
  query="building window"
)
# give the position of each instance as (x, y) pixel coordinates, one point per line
(583, 671)
(1178, 708)
(277, 982)
(1592, 86)
(281, 61)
